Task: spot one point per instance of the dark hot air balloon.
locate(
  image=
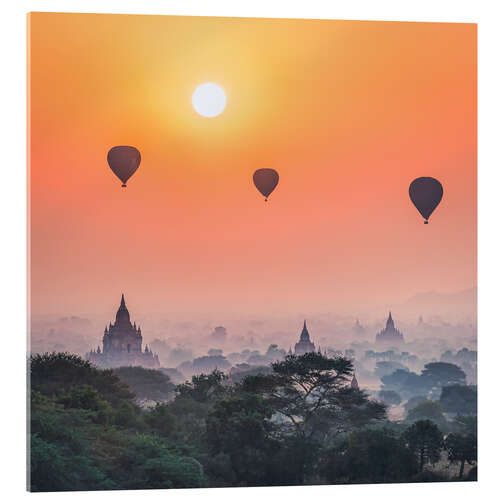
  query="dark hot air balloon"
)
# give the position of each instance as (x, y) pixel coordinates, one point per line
(124, 161)
(265, 180)
(426, 194)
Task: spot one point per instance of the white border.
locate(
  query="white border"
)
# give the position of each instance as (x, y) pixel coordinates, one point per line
(13, 213)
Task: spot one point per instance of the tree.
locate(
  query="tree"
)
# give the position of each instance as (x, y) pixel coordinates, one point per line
(464, 424)
(86, 397)
(56, 373)
(193, 402)
(145, 462)
(240, 426)
(389, 397)
(54, 468)
(425, 440)
(414, 401)
(427, 410)
(461, 449)
(87, 433)
(274, 353)
(203, 388)
(146, 384)
(244, 370)
(407, 384)
(369, 456)
(460, 399)
(312, 394)
(161, 419)
(60, 452)
(441, 374)
(206, 364)
(387, 367)
(313, 398)
(215, 352)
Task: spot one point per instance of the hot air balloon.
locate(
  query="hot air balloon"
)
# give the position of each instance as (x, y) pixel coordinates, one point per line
(124, 161)
(426, 194)
(265, 180)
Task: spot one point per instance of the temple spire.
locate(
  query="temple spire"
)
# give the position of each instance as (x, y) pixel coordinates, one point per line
(354, 382)
(122, 315)
(304, 344)
(305, 333)
(390, 321)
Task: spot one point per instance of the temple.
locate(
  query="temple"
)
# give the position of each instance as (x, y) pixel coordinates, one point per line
(389, 335)
(122, 344)
(304, 344)
(354, 382)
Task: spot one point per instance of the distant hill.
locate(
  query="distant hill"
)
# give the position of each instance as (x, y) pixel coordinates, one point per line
(460, 305)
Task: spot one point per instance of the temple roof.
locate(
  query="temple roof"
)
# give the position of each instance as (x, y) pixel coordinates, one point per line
(354, 382)
(390, 332)
(390, 322)
(122, 315)
(305, 334)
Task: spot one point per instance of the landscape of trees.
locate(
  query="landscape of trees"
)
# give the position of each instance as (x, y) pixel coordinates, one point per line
(298, 422)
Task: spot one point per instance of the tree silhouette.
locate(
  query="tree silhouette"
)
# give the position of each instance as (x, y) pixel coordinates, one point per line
(461, 449)
(425, 440)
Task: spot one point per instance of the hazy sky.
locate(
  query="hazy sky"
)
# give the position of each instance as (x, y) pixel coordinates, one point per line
(349, 113)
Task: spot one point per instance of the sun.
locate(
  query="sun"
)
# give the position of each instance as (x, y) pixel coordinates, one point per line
(209, 100)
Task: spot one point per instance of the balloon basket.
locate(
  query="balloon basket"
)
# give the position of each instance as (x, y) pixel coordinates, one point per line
(426, 222)
(124, 185)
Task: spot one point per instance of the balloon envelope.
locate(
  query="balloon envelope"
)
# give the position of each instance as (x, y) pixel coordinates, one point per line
(265, 180)
(426, 194)
(124, 161)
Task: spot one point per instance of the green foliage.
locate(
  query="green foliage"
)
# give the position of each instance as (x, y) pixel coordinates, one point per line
(464, 424)
(461, 448)
(425, 440)
(149, 462)
(56, 373)
(60, 448)
(407, 384)
(127, 415)
(387, 367)
(193, 402)
(55, 468)
(369, 456)
(313, 397)
(472, 474)
(84, 436)
(237, 377)
(240, 427)
(414, 401)
(146, 384)
(86, 397)
(427, 410)
(161, 419)
(203, 388)
(441, 374)
(389, 397)
(299, 423)
(237, 421)
(460, 399)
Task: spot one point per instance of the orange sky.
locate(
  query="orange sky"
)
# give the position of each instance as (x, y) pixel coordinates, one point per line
(349, 113)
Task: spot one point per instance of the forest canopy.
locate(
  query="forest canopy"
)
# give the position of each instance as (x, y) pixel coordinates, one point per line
(298, 422)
